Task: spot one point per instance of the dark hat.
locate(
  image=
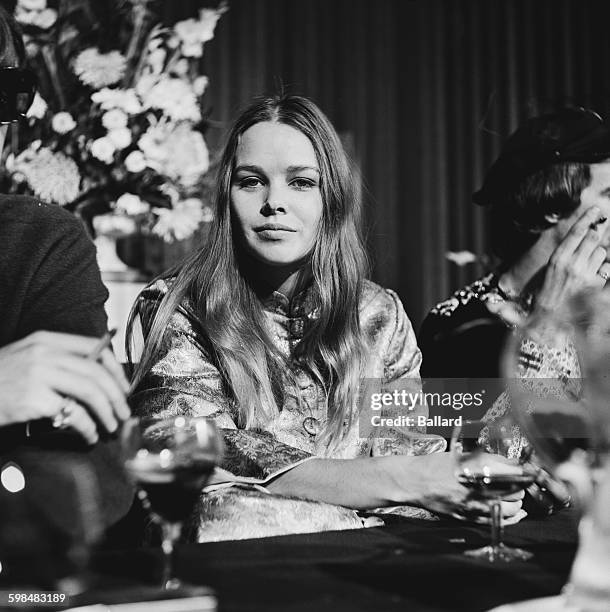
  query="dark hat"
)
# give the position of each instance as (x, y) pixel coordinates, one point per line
(569, 135)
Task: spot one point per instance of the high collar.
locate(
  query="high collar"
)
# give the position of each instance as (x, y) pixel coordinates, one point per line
(300, 305)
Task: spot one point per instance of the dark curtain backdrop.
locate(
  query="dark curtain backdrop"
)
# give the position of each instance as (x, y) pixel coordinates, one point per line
(424, 92)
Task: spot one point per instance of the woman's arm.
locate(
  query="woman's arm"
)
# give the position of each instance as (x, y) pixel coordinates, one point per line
(427, 481)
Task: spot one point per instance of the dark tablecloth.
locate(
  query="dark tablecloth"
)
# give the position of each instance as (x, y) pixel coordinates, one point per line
(408, 565)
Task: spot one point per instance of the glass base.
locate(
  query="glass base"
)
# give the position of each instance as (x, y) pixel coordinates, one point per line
(500, 553)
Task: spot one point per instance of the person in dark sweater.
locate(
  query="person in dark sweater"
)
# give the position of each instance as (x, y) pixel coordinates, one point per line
(57, 405)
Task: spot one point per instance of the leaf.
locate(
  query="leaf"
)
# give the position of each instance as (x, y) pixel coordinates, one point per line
(461, 258)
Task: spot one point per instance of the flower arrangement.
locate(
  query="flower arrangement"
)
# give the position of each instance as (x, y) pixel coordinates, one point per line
(117, 128)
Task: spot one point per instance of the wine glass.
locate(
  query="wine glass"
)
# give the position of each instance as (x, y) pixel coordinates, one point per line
(480, 451)
(557, 367)
(170, 460)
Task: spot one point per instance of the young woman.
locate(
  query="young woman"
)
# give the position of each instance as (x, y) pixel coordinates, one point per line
(271, 327)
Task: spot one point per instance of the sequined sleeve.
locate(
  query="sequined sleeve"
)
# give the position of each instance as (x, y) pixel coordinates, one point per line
(184, 381)
(401, 364)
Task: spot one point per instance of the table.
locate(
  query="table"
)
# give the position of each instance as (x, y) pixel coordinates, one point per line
(409, 565)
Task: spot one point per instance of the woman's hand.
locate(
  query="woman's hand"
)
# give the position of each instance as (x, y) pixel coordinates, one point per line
(579, 262)
(43, 371)
(439, 490)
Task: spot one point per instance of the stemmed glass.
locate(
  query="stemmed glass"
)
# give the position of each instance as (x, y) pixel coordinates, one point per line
(562, 406)
(491, 477)
(170, 460)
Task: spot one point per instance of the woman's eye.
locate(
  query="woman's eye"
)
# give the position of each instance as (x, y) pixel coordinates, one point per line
(301, 183)
(250, 182)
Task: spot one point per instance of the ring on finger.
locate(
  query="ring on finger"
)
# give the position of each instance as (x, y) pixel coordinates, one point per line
(62, 418)
(603, 274)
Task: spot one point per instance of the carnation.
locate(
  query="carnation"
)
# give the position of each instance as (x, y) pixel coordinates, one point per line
(53, 177)
(131, 204)
(63, 122)
(175, 98)
(179, 222)
(181, 67)
(208, 18)
(45, 19)
(156, 60)
(121, 138)
(200, 84)
(135, 162)
(177, 151)
(114, 119)
(112, 224)
(99, 69)
(103, 149)
(189, 33)
(124, 99)
(32, 5)
(207, 214)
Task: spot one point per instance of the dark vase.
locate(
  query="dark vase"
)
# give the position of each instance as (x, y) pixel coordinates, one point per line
(151, 255)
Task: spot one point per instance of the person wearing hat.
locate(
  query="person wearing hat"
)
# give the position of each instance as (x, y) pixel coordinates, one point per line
(549, 199)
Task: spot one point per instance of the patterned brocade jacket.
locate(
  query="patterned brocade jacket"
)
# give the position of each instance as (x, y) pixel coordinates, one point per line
(186, 381)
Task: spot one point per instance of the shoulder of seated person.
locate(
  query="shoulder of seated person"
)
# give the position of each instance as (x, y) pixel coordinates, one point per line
(26, 209)
(375, 296)
(466, 298)
(152, 295)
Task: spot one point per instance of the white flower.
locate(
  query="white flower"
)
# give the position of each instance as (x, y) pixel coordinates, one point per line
(131, 204)
(112, 224)
(45, 19)
(63, 122)
(99, 69)
(156, 60)
(154, 43)
(177, 151)
(189, 33)
(180, 222)
(114, 119)
(125, 99)
(103, 149)
(53, 177)
(38, 108)
(181, 67)
(24, 16)
(208, 18)
(32, 5)
(135, 162)
(461, 258)
(207, 214)
(175, 98)
(194, 33)
(145, 83)
(121, 138)
(200, 84)
(194, 49)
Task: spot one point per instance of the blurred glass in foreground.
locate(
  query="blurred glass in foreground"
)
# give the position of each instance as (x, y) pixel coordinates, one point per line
(558, 371)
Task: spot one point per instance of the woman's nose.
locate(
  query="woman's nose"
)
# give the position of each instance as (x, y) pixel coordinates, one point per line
(275, 202)
(272, 209)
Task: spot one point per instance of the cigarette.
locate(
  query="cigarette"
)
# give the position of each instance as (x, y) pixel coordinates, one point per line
(104, 342)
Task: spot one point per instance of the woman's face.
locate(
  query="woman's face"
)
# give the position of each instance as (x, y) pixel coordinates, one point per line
(275, 194)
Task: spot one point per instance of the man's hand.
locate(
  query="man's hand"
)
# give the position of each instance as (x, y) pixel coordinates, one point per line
(579, 262)
(39, 372)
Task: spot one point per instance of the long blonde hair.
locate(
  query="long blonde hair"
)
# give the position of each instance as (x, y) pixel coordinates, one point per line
(229, 311)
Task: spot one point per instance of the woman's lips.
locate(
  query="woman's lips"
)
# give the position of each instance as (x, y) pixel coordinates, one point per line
(273, 231)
